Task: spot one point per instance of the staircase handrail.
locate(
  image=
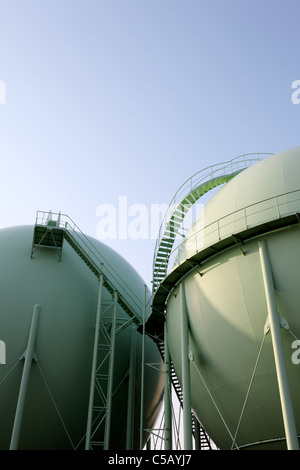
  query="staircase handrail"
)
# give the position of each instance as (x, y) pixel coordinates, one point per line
(205, 175)
(66, 223)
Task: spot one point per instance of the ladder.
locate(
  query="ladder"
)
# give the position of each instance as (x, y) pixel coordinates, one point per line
(50, 230)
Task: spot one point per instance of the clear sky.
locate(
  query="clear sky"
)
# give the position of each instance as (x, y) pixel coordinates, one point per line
(128, 98)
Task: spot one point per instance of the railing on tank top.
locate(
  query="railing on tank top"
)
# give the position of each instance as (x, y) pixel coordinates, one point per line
(243, 219)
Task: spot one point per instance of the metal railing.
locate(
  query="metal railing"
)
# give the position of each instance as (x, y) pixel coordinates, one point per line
(205, 175)
(64, 222)
(243, 219)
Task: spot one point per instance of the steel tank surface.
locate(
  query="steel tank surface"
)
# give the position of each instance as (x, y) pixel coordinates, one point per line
(56, 406)
(234, 386)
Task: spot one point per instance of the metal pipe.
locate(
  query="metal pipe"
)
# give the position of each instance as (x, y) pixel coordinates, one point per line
(282, 377)
(167, 393)
(130, 400)
(186, 388)
(94, 368)
(29, 355)
(111, 375)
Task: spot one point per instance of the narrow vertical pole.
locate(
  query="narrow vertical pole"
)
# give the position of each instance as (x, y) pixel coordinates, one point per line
(29, 355)
(111, 375)
(186, 386)
(282, 377)
(167, 393)
(130, 400)
(94, 368)
(143, 372)
(197, 435)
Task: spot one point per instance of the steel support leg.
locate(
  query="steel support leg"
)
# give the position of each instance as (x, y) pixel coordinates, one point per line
(94, 368)
(282, 377)
(167, 393)
(29, 355)
(143, 372)
(111, 374)
(186, 385)
(130, 400)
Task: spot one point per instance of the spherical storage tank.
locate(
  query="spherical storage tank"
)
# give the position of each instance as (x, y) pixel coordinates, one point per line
(234, 383)
(57, 397)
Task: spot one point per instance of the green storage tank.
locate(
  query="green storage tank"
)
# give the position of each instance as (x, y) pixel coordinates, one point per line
(66, 290)
(218, 269)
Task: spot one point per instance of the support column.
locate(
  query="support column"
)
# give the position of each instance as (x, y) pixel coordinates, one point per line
(29, 356)
(94, 368)
(186, 383)
(167, 393)
(282, 377)
(130, 400)
(143, 372)
(111, 374)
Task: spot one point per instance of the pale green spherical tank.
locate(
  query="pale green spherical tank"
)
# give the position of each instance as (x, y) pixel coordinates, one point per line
(56, 405)
(234, 387)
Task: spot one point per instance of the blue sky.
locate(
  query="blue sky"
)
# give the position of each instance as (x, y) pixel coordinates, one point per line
(110, 98)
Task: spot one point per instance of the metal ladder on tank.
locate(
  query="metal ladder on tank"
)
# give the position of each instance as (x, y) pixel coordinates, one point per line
(50, 230)
(185, 198)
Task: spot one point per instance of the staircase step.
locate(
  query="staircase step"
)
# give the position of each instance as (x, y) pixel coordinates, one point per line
(164, 249)
(166, 245)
